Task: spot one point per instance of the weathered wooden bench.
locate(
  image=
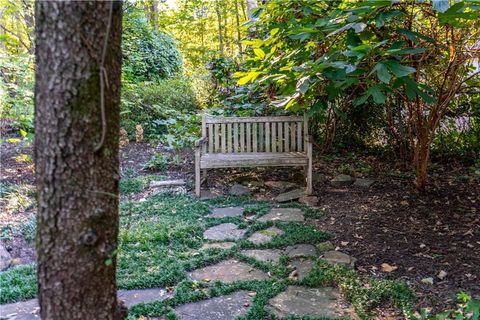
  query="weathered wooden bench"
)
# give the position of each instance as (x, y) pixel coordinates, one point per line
(229, 142)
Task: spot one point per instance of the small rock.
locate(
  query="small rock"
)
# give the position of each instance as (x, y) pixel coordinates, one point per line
(428, 280)
(291, 195)
(337, 257)
(5, 258)
(325, 246)
(363, 183)
(342, 180)
(239, 190)
(301, 250)
(310, 201)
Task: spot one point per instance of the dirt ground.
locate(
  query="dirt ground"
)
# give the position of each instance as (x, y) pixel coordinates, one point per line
(432, 235)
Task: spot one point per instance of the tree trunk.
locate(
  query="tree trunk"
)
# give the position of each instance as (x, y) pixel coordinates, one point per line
(219, 20)
(239, 37)
(76, 156)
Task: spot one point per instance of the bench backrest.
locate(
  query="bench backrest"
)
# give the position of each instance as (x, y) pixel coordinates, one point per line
(254, 134)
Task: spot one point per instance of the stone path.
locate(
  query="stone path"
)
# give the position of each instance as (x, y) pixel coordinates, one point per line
(310, 302)
(218, 308)
(227, 272)
(294, 301)
(29, 310)
(284, 214)
(224, 231)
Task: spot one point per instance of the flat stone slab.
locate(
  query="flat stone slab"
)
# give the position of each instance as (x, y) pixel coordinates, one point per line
(290, 195)
(29, 310)
(133, 297)
(302, 267)
(307, 302)
(337, 257)
(226, 212)
(311, 201)
(301, 250)
(265, 236)
(363, 183)
(239, 190)
(218, 245)
(342, 180)
(224, 231)
(219, 308)
(267, 255)
(283, 214)
(228, 271)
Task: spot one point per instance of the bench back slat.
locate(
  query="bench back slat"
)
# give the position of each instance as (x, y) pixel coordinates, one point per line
(254, 134)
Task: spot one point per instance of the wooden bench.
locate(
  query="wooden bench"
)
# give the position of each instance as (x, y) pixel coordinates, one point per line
(229, 142)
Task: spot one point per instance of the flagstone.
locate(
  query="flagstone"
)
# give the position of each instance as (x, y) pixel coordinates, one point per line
(267, 255)
(226, 212)
(307, 302)
(283, 214)
(219, 308)
(228, 271)
(224, 231)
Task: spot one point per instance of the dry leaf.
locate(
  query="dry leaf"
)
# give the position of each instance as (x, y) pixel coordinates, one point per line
(388, 268)
(442, 274)
(344, 243)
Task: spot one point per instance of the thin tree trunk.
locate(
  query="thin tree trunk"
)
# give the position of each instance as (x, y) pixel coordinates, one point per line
(220, 36)
(76, 169)
(239, 37)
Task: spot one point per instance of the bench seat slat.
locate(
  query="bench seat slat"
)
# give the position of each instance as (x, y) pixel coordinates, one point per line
(228, 160)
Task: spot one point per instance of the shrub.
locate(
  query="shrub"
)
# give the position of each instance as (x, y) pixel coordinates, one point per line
(148, 54)
(158, 107)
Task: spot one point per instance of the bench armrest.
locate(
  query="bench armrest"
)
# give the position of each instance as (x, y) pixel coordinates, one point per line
(200, 141)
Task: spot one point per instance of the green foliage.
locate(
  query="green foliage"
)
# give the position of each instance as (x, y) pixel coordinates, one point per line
(18, 283)
(167, 107)
(129, 185)
(467, 309)
(148, 54)
(363, 296)
(158, 162)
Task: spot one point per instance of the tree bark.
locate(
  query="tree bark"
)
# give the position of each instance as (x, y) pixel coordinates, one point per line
(219, 20)
(239, 37)
(76, 169)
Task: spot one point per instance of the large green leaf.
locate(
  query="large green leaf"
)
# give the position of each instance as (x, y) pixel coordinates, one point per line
(382, 73)
(398, 69)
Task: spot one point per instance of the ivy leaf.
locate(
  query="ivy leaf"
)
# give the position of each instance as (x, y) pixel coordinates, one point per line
(382, 73)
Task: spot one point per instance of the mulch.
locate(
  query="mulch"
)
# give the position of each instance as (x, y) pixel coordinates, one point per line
(419, 234)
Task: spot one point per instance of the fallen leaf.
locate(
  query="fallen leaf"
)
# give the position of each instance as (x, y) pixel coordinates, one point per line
(442, 274)
(344, 243)
(293, 275)
(252, 294)
(428, 280)
(404, 203)
(388, 268)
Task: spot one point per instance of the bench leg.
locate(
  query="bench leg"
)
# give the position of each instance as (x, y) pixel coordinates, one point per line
(197, 172)
(309, 169)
